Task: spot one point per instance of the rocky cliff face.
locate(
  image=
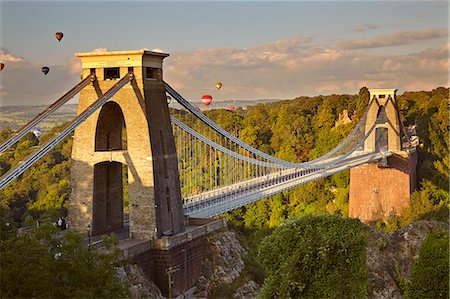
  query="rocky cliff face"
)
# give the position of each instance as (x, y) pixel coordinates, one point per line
(390, 257)
(140, 286)
(224, 265)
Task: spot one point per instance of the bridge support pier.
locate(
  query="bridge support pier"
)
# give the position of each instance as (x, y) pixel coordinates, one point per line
(378, 192)
(381, 189)
(174, 263)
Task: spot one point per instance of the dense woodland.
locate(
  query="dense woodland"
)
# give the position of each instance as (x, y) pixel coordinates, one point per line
(297, 130)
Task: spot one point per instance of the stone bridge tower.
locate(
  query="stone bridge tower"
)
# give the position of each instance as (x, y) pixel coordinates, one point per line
(131, 134)
(381, 189)
(386, 134)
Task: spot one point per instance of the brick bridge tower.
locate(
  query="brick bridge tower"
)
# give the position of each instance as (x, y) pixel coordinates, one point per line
(380, 189)
(131, 134)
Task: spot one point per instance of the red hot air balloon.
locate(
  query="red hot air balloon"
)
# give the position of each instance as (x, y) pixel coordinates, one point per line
(207, 99)
(45, 70)
(2, 66)
(59, 36)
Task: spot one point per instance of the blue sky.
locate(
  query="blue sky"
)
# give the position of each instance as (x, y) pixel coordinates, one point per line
(258, 49)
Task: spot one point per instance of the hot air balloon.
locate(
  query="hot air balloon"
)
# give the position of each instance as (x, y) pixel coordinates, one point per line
(59, 36)
(218, 85)
(207, 99)
(2, 66)
(45, 70)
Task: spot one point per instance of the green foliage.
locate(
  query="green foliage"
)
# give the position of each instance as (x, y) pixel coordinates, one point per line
(45, 187)
(430, 202)
(362, 102)
(430, 272)
(45, 264)
(429, 112)
(315, 257)
(5, 134)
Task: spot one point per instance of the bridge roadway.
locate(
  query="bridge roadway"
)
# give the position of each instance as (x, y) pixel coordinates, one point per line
(213, 203)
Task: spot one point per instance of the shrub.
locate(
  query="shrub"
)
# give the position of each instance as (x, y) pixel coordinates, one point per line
(315, 257)
(429, 275)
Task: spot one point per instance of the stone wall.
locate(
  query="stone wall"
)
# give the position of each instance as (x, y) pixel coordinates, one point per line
(377, 192)
(184, 260)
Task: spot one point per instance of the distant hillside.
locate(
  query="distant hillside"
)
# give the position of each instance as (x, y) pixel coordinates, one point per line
(16, 116)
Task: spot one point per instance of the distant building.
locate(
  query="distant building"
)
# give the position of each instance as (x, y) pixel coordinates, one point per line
(343, 119)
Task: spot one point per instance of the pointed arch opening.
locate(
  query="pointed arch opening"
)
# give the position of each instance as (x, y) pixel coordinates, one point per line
(111, 134)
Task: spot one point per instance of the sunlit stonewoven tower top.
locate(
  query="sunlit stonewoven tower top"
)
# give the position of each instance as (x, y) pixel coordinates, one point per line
(383, 104)
(137, 113)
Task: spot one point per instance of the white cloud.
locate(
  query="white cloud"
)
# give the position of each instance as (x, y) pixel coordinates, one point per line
(282, 69)
(301, 66)
(5, 56)
(100, 50)
(34, 88)
(74, 65)
(395, 39)
(366, 27)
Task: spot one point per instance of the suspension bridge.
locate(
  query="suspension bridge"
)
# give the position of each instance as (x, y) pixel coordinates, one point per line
(218, 172)
(181, 165)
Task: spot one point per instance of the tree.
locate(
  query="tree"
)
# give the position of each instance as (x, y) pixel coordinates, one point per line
(5, 134)
(362, 102)
(315, 257)
(43, 264)
(324, 119)
(429, 274)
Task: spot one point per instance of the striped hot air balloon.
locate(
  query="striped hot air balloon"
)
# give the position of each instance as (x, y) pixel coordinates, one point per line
(207, 99)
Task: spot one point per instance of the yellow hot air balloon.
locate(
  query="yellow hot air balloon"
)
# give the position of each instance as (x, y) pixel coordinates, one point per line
(218, 85)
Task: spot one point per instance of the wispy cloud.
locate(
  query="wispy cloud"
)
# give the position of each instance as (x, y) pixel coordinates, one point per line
(395, 39)
(24, 84)
(303, 68)
(100, 50)
(6, 56)
(366, 27)
(283, 69)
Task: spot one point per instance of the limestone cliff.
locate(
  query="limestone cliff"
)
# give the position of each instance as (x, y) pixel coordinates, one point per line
(224, 265)
(390, 257)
